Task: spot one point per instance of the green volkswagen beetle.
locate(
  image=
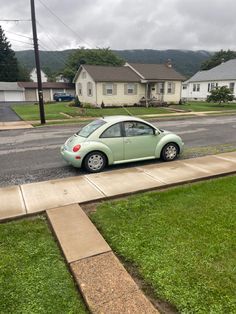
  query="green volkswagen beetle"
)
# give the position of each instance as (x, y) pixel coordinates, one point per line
(119, 139)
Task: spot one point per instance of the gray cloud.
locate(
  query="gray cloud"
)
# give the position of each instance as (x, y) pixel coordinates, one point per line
(125, 24)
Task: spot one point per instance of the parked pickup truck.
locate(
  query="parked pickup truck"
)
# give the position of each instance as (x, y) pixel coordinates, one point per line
(63, 97)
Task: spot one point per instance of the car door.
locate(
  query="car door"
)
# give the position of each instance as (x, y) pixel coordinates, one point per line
(113, 138)
(140, 140)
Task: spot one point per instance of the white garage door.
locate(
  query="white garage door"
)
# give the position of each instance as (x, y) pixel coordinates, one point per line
(14, 96)
(2, 97)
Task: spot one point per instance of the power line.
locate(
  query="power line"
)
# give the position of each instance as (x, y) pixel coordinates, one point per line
(18, 34)
(8, 20)
(19, 41)
(44, 46)
(56, 56)
(71, 29)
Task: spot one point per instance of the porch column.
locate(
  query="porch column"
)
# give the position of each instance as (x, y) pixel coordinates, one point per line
(146, 96)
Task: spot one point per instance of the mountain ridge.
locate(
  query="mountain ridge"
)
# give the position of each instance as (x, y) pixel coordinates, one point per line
(187, 62)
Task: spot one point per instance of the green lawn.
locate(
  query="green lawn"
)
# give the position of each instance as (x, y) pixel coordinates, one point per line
(63, 111)
(55, 111)
(33, 274)
(204, 106)
(182, 242)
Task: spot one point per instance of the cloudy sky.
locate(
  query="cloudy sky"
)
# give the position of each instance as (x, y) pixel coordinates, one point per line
(122, 24)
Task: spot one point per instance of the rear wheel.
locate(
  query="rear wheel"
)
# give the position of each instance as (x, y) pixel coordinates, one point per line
(169, 152)
(95, 162)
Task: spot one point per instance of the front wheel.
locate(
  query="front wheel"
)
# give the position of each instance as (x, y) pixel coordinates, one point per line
(169, 152)
(95, 162)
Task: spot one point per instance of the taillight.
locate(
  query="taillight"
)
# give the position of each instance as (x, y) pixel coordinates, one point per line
(76, 148)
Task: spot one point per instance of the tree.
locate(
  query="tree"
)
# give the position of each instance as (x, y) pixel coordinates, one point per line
(217, 59)
(23, 73)
(221, 95)
(90, 56)
(8, 63)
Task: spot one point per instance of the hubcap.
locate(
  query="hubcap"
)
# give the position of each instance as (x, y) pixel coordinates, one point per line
(95, 162)
(171, 152)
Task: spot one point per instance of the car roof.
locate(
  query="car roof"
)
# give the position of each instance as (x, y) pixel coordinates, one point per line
(121, 118)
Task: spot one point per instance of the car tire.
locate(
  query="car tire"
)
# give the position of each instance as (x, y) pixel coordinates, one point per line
(169, 152)
(95, 162)
(59, 99)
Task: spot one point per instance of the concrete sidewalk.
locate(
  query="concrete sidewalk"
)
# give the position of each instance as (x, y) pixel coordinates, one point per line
(15, 125)
(38, 197)
(103, 281)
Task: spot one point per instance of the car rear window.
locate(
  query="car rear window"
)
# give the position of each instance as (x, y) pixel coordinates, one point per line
(90, 128)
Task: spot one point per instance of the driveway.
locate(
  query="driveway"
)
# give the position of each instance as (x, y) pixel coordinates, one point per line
(7, 114)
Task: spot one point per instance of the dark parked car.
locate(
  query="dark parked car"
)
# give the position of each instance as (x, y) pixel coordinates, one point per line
(63, 97)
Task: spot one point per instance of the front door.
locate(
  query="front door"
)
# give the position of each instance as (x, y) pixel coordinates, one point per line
(140, 140)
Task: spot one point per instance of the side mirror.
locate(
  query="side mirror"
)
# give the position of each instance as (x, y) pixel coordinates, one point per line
(156, 132)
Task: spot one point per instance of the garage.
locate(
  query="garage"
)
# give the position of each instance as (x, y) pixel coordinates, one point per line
(10, 91)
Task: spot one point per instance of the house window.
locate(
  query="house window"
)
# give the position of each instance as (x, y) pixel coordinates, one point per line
(83, 75)
(90, 89)
(212, 86)
(79, 89)
(130, 88)
(231, 86)
(109, 89)
(170, 88)
(160, 87)
(196, 87)
(184, 86)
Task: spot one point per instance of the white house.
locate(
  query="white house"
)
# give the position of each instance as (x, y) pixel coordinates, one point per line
(33, 76)
(199, 85)
(127, 85)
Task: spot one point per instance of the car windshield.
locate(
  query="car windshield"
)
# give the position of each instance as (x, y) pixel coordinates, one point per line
(90, 128)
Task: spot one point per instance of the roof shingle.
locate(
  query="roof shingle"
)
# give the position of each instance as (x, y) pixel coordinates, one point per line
(224, 71)
(111, 73)
(157, 71)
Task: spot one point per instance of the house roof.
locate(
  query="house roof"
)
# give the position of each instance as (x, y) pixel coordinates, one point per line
(156, 71)
(10, 86)
(47, 85)
(224, 71)
(110, 73)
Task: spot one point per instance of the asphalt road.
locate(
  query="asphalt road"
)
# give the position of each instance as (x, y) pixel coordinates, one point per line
(32, 155)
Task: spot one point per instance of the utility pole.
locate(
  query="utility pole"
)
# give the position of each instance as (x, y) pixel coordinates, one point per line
(37, 62)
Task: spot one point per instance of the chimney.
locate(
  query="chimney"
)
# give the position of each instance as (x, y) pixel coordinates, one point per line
(169, 63)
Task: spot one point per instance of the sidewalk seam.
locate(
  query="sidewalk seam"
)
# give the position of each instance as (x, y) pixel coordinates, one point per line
(95, 185)
(23, 200)
(153, 177)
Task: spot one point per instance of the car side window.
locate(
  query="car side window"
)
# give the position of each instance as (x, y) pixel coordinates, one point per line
(112, 131)
(134, 128)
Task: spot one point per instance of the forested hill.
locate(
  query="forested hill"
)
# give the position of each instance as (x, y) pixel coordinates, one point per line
(186, 62)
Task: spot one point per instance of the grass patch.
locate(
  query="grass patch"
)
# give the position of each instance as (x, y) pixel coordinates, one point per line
(182, 242)
(57, 111)
(33, 275)
(197, 106)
